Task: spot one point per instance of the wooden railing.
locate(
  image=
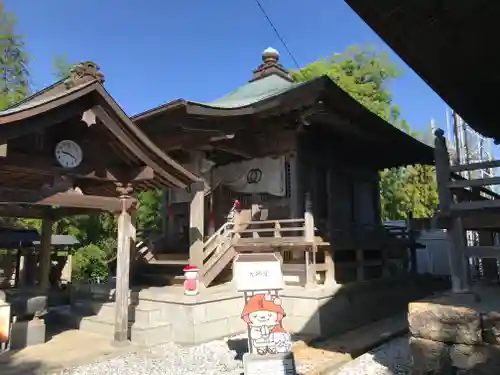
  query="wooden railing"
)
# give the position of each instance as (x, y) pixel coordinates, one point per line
(460, 197)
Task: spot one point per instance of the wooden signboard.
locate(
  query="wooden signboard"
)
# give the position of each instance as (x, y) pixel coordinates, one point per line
(271, 364)
(253, 272)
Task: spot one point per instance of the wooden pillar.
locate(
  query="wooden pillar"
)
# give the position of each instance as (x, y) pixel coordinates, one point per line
(125, 232)
(196, 225)
(360, 265)
(309, 237)
(456, 233)
(412, 244)
(295, 208)
(331, 196)
(164, 211)
(443, 172)
(44, 257)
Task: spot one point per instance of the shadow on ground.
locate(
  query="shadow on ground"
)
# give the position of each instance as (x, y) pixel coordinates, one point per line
(8, 366)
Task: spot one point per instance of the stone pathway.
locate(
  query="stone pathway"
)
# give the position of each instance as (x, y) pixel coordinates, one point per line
(63, 350)
(323, 356)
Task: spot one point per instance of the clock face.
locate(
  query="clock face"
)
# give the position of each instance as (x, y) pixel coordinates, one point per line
(68, 154)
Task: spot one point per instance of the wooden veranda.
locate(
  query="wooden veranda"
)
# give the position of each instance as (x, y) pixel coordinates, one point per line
(108, 160)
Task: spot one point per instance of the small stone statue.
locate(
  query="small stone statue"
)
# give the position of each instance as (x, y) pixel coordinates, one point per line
(191, 284)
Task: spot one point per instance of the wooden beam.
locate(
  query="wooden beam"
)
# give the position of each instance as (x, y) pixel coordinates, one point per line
(483, 251)
(38, 212)
(39, 165)
(475, 205)
(62, 199)
(135, 147)
(481, 182)
(475, 166)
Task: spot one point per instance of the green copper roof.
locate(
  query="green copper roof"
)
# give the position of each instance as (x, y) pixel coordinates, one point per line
(253, 92)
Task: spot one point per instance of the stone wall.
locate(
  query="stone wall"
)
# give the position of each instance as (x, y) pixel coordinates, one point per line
(456, 334)
(310, 312)
(166, 314)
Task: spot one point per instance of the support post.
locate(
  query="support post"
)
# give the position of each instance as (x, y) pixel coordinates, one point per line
(309, 237)
(125, 231)
(412, 244)
(44, 258)
(443, 172)
(308, 219)
(360, 265)
(458, 261)
(196, 225)
(456, 233)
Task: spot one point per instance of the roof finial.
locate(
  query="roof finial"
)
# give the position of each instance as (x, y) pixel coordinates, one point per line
(270, 55)
(84, 72)
(270, 65)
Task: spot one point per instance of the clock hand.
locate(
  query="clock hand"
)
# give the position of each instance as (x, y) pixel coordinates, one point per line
(70, 155)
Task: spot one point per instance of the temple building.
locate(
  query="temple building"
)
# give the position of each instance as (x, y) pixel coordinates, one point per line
(302, 160)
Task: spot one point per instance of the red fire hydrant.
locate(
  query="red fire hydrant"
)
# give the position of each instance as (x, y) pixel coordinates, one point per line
(192, 282)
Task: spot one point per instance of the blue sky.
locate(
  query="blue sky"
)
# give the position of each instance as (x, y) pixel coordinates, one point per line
(155, 51)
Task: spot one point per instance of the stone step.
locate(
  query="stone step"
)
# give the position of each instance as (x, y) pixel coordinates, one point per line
(155, 279)
(138, 334)
(138, 314)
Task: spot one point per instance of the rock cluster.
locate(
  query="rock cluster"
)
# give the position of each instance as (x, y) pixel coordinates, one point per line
(453, 334)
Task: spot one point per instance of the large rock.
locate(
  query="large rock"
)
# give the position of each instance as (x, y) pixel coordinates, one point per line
(475, 359)
(429, 357)
(491, 327)
(452, 319)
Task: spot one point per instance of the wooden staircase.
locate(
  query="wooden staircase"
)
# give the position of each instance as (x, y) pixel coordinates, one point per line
(218, 250)
(155, 267)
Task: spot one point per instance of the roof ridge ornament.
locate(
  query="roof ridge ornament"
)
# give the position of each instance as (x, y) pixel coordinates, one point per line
(85, 71)
(270, 65)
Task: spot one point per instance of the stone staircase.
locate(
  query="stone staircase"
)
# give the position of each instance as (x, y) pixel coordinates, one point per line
(95, 312)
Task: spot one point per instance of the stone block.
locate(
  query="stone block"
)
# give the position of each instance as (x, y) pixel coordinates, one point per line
(475, 359)
(491, 327)
(429, 357)
(151, 335)
(27, 333)
(213, 330)
(446, 320)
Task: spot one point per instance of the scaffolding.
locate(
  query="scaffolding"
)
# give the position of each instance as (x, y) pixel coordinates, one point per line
(468, 146)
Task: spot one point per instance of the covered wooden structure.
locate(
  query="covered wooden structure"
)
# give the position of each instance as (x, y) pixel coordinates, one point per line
(333, 146)
(448, 44)
(111, 160)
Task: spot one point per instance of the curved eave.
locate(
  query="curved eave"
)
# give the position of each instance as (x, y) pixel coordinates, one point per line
(446, 44)
(406, 149)
(295, 96)
(24, 119)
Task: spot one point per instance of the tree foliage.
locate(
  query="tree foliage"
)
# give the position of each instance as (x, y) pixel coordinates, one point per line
(15, 82)
(365, 74)
(62, 67)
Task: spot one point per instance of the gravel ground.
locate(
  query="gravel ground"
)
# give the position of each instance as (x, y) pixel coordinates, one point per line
(213, 358)
(224, 357)
(392, 358)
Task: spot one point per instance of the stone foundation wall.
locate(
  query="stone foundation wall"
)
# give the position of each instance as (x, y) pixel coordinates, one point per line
(310, 312)
(216, 312)
(456, 334)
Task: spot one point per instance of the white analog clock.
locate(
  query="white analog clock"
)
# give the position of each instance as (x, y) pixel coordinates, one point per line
(68, 154)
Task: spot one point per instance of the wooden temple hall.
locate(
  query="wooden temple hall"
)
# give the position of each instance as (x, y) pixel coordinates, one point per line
(301, 159)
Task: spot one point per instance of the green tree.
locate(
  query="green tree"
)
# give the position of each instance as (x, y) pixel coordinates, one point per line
(365, 74)
(62, 67)
(15, 82)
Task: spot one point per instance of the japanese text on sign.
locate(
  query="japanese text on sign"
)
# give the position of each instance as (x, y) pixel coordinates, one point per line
(259, 272)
